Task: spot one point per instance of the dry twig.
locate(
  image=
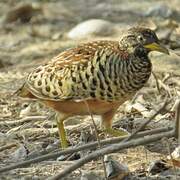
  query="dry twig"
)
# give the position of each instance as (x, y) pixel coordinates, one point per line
(157, 83)
(22, 121)
(147, 122)
(97, 137)
(111, 149)
(91, 145)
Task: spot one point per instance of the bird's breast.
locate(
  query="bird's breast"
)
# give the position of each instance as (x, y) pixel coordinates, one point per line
(109, 78)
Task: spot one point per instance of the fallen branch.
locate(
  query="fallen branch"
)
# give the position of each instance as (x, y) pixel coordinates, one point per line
(97, 138)
(111, 149)
(88, 146)
(23, 120)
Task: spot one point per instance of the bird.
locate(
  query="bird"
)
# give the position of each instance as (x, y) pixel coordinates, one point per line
(94, 77)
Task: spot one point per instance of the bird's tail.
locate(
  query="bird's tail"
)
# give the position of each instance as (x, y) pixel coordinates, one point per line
(23, 92)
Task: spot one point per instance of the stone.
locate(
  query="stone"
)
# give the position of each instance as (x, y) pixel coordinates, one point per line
(92, 27)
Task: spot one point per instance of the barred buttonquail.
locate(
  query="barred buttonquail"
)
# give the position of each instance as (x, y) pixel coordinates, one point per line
(104, 74)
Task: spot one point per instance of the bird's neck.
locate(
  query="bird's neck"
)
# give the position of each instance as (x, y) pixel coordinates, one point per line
(141, 67)
(141, 52)
(140, 58)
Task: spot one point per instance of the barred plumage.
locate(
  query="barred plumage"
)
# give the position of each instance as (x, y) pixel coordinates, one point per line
(104, 73)
(98, 71)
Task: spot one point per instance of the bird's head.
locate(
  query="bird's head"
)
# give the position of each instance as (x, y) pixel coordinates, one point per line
(139, 41)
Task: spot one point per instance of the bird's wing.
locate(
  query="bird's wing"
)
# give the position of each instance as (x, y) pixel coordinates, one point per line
(65, 76)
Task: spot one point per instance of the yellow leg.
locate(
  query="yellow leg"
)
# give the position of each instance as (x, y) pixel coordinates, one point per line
(61, 130)
(116, 132)
(107, 125)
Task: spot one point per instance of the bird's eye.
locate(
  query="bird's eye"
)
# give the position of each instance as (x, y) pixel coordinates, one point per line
(140, 38)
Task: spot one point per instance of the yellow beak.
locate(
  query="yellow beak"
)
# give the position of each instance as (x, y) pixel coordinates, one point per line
(157, 47)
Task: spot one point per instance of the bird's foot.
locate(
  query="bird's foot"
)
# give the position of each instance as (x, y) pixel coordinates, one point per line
(62, 134)
(64, 143)
(116, 132)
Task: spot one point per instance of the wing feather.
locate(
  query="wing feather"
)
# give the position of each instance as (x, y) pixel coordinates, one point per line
(56, 80)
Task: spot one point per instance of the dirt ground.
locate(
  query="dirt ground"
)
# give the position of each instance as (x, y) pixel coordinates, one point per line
(33, 36)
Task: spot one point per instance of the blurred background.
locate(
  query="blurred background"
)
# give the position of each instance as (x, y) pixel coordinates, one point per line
(35, 30)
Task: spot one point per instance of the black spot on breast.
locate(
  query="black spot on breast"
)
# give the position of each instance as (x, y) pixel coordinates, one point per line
(55, 93)
(101, 68)
(73, 89)
(98, 59)
(51, 77)
(115, 82)
(92, 94)
(39, 83)
(101, 86)
(102, 93)
(115, 74)
(107, 82)
(78, 68)
(100, 81)
(38, 70)
(60, 83)
(128, 78)
(80, 77)
(109, 89)
(84, 85)
(49, 70)
(143, 81)
(110, 68)
(92, 69)
(87, 76)
(94, 81)
(109, 95)
(48, 88)
(73, 79)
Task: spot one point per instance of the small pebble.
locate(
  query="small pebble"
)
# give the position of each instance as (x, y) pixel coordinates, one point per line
(114, 169)
(20, 154)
